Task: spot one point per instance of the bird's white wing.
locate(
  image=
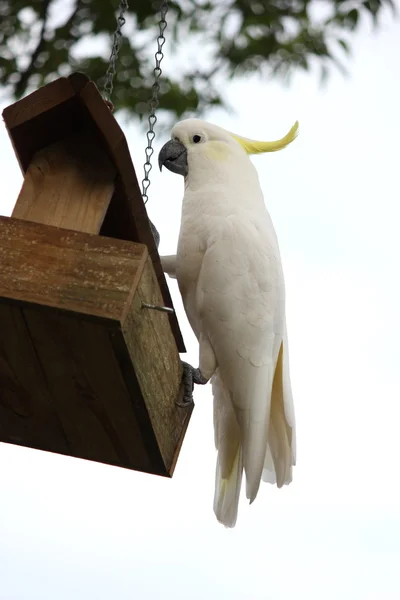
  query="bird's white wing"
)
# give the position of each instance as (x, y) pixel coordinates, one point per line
(240, 301)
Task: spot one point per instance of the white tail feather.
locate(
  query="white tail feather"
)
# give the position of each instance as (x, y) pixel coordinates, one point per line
(269, 470)
(229, 471)
(280, 434)
(227, 492)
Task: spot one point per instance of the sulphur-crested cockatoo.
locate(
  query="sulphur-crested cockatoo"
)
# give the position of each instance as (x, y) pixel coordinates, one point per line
(229, 273)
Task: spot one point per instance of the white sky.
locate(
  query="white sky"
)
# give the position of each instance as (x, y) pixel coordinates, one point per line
(75, 529)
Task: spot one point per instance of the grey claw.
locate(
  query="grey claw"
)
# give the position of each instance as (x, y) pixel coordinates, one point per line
(190, 376)
(184, 404)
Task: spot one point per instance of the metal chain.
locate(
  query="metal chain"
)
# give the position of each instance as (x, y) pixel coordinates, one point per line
(112, 68)
(154, 100)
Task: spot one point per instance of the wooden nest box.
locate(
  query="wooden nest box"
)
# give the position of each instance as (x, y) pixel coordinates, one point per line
(85, 370)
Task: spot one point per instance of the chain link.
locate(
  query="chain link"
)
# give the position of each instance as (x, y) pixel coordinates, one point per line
(154, 100)
(112, 67)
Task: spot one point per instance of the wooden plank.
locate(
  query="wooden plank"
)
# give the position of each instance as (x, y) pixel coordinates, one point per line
(97, 375)
(54, 396)
(143, 331)
(81, 273)
(91, 399)
(39, 102)
(68, 184)
(27, 414)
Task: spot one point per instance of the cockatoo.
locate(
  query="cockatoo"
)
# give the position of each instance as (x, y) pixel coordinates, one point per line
(229, 273)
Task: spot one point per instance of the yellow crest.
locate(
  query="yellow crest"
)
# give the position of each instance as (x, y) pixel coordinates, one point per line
(253, 147)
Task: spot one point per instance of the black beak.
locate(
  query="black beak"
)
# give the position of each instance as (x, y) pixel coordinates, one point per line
(173, 156)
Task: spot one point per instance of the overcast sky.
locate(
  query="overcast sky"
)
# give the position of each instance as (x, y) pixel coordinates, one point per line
(72, 529)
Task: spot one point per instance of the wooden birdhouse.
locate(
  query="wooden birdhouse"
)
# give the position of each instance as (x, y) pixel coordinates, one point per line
(85, 369)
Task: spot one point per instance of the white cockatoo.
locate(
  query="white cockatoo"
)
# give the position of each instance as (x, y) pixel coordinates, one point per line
(229, 273)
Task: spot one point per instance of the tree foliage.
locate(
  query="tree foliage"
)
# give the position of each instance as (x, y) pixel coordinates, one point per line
(41, 40)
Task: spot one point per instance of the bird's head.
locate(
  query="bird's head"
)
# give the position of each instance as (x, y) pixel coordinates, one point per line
(194, 139)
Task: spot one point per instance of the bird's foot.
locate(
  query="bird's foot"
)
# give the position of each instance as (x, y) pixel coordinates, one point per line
(190, 376)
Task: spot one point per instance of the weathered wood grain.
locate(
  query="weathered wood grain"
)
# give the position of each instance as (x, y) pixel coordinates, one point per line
(26, 409)
(68, 184)
(67, 270)
(143, 330)
(91, 399)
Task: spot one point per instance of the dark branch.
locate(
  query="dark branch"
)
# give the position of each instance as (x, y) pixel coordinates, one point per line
(20, 87)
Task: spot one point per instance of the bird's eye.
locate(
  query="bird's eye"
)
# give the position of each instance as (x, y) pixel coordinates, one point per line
(196, 139)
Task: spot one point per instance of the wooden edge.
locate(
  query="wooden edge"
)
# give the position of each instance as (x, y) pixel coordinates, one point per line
(78, 81)
(188, 410)
(38, 102)
(72, 255)
(130, 380)
(101, 115)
